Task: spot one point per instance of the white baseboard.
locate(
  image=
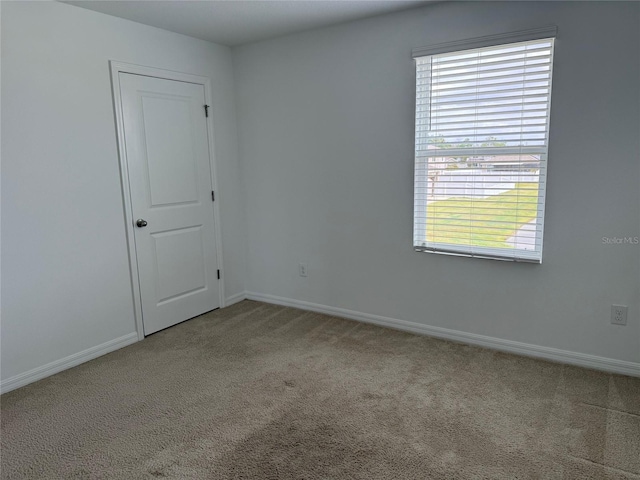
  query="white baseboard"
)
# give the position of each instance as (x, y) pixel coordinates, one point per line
(563, 356)
(519, 348)
(238, 297)
(57, 366)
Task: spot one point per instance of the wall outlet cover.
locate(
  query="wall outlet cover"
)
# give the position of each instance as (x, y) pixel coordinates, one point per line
(619, 314)
(302, 269)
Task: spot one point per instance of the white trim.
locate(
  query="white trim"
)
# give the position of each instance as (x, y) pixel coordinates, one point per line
(120, 67)
(214, 185)
(57, 366)
(126, 198)
(486, 41)
(233, 299)
(547, 353)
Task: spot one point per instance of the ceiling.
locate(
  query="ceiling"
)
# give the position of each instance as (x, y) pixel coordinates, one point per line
(236, 22)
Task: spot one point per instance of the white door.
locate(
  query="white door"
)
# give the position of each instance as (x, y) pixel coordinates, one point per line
(167, 155)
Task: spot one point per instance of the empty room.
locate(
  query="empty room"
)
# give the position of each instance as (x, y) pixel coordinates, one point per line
(320, 239)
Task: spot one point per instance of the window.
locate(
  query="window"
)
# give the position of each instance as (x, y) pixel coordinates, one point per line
(481, 142)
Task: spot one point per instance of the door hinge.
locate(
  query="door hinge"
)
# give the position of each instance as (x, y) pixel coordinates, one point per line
(218, 274)
(213, 196)
(206, 110)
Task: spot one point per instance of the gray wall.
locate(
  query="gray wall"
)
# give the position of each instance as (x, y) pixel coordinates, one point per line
(326, 145)
(65, 274)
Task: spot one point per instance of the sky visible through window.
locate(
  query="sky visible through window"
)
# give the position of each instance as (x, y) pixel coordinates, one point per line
(493, 93)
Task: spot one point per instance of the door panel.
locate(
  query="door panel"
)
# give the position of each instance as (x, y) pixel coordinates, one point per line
(180, 260)
(170, 156)
(170, 181)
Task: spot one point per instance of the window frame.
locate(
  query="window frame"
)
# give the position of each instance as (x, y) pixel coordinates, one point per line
(494, 253)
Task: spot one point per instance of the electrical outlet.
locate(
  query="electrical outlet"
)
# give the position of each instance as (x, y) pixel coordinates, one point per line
(619, 314)
(302, 269)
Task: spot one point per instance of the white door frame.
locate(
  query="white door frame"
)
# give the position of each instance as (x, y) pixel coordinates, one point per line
(116, 69)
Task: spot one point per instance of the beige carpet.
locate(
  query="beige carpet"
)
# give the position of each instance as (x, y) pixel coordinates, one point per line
(258, 391)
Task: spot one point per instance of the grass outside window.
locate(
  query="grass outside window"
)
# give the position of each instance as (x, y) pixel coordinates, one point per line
(487, 222)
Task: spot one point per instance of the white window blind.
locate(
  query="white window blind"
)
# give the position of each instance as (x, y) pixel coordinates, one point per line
(482, 129)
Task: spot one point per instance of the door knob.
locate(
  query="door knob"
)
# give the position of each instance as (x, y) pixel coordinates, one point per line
(141, 223)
